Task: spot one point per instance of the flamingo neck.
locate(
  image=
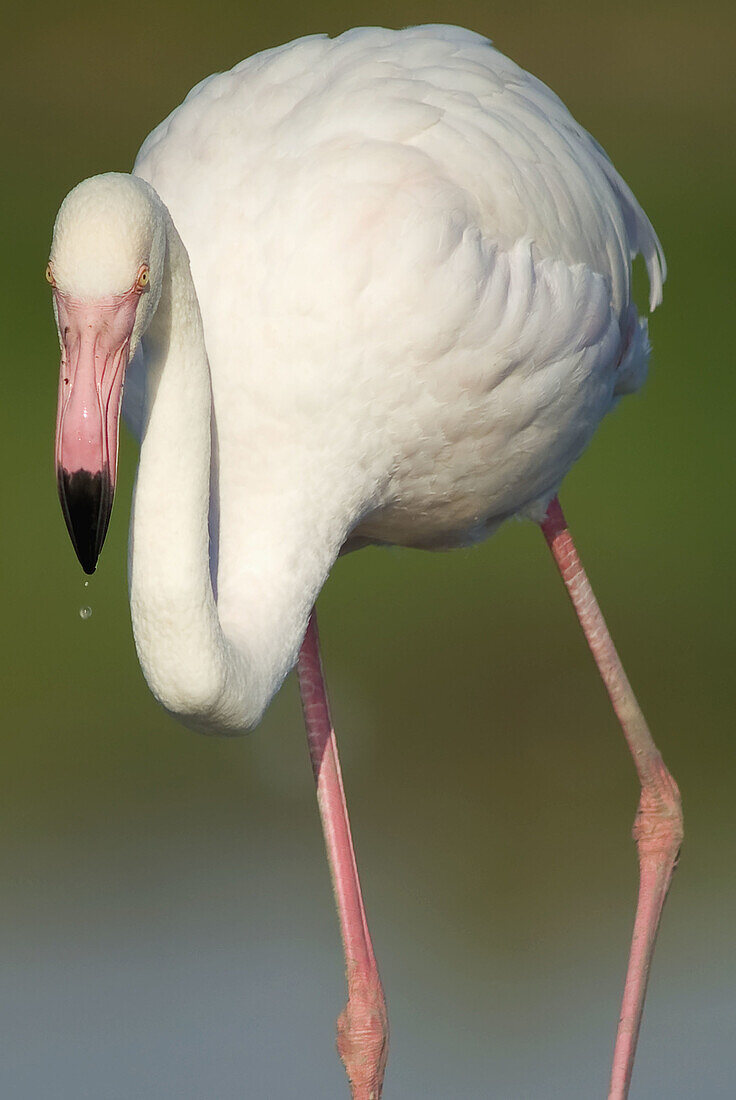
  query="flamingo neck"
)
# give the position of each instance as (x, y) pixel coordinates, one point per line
(214, 667)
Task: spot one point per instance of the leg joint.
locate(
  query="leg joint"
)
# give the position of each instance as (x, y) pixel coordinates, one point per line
(362, 1035)
(658, 827)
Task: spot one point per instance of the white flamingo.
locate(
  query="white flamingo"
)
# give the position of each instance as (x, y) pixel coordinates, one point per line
(369, 289)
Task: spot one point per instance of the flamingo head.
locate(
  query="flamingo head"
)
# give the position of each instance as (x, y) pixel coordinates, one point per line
(105, 270)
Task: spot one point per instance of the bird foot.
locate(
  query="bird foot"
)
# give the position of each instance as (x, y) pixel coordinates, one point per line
(362, 1035)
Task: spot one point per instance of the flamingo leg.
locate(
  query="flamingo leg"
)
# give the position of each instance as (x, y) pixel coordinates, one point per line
(362, 1027)
(658, 828)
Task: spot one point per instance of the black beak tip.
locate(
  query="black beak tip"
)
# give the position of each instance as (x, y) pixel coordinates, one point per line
(86, 501)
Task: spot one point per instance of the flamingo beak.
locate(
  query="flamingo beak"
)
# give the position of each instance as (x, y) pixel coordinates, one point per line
(95, 345)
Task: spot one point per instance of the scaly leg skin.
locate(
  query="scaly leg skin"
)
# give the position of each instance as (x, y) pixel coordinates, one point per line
(658, 827)
(362, 1027)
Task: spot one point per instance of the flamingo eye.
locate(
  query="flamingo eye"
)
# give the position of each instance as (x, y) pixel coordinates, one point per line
(49, 275)
(143, 277)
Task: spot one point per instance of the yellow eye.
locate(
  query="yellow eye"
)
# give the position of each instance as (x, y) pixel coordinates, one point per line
(49, 274)
(143, 277)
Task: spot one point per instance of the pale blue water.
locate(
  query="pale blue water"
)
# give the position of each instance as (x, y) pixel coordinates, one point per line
(195, 965)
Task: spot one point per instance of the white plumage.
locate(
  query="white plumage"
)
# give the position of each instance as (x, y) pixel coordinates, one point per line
(413, 269)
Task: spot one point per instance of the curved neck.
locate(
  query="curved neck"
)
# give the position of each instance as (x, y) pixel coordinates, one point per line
(215, 669)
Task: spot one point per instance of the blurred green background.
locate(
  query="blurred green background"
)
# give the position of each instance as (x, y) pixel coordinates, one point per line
(166, 928)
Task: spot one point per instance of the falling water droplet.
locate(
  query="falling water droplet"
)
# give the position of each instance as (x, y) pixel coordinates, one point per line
(85, 612)
(86, 584)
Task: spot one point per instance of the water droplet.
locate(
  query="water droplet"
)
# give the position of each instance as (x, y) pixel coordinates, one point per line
(86, 584)
(85, 612)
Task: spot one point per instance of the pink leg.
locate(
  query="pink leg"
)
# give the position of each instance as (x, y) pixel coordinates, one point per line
(658, 826)
(362, 1027)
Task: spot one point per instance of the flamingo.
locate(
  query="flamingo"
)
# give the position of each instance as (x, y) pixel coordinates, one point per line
(370, 289)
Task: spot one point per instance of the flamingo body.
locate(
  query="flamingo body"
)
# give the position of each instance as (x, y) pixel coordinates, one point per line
(410, 295)
(406, 249)
(390, 301)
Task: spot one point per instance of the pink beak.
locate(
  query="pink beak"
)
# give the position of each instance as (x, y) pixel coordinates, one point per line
(95, 338)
